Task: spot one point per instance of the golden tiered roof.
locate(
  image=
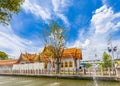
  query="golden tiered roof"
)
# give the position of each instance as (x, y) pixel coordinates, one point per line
(30, 58)
(27, 57)
(44, 58)
(67, 53)
(72, 52)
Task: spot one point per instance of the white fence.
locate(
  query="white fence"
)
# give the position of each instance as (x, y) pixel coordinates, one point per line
(83, 72)
(30, 66)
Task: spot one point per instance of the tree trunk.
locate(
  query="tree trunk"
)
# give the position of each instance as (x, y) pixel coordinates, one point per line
(75, 61)
(58, 66)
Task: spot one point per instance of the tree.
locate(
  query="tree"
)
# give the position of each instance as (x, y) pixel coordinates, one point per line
(107, 62)
(54, 39)
(87, 65)
(8, 8)
(3, 56)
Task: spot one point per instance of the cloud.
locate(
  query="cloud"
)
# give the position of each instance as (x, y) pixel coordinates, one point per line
(60, 6)
(37, 10)
(49, 10)
(104, 20)
(13, 44)
(56, 5)
(94, 41)
(86, 43)
(63, 18)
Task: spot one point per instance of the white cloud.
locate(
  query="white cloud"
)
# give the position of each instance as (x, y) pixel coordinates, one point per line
(56, 5)
(13, 44)
(86, 43)
(63, 18)
(60, 5)
(104, 20)
(48, 11)
(37, 10)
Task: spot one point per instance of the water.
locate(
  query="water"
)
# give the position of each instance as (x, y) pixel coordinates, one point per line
(94, 74)
(34, 81)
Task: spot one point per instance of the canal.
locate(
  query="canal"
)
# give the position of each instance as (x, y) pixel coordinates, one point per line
(34, 81)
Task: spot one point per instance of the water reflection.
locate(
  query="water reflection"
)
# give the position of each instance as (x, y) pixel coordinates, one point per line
(34, 81)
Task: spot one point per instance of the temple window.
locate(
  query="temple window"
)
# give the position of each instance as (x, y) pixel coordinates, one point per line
(66, 64)
(61, 64)
(70, 64)
(45, 65)
(53, 64)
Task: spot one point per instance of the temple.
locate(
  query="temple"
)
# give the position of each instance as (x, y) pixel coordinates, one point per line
(70, 60)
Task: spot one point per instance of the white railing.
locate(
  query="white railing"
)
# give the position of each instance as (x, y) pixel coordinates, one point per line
(83, 72)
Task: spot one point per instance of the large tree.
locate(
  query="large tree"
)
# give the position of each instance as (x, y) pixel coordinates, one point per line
(107, 62)
(54, 39)
(3, 56)
(8, 8)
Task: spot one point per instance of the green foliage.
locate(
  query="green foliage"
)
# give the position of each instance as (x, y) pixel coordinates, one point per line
(3, 56)
(106, 62)
(8, 8)
(87, 65)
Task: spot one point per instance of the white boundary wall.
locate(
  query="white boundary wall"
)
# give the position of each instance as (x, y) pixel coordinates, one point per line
(30, 66)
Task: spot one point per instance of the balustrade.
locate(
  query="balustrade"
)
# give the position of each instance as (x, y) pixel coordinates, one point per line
(79, 72)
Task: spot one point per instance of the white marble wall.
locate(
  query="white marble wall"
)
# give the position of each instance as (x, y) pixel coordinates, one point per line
(30, 66)
(73, 63)
(4, 68)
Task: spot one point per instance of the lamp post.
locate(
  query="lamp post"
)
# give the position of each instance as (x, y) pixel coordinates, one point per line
(112, 50)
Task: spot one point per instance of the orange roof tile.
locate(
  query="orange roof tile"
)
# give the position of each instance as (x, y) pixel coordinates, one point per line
(44, 58)
(33, 58)
(28, 57)
(72, 52)
(67, 53)
(118, 62)
(8, 62)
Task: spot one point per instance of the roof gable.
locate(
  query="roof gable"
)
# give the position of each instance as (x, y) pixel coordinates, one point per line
(31, 58)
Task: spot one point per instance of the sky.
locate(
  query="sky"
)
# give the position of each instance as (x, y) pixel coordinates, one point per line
(91, 23)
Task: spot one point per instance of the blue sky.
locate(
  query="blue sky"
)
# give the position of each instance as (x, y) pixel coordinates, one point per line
(89, 23)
